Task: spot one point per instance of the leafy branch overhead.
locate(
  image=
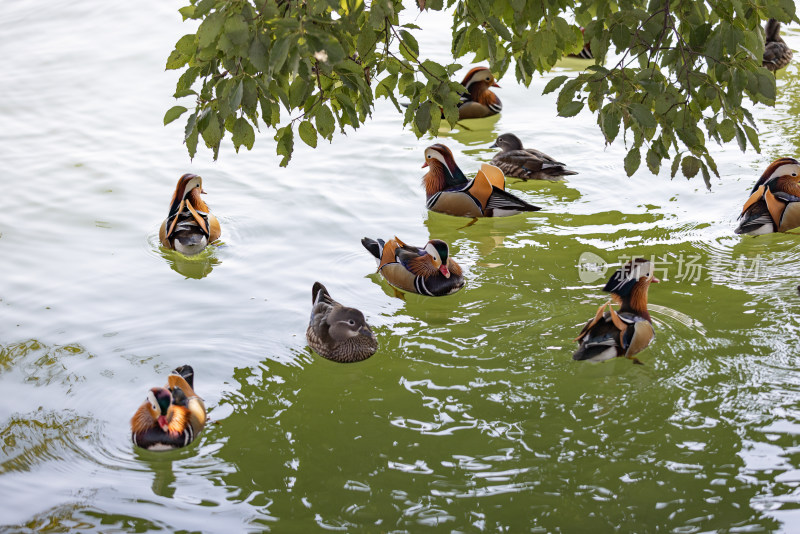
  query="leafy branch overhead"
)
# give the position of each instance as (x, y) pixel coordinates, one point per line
(669, 74)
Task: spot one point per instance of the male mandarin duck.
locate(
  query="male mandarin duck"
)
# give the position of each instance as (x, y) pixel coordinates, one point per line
(479, 100)
(172, 416)
(774, 203)
(336, 332)
(449, 191)
(427, 271)
(777, 53)
(190, 226)
(526, 163)
(610, 333)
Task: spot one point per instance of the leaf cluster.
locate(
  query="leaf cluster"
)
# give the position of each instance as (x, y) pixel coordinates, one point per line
(678, 71)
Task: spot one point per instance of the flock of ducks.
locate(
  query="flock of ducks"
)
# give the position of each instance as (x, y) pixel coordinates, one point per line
(174, 415)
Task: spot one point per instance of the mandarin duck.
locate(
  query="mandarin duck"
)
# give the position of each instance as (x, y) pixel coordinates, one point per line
(337, 332)
(190, 226)
(449, 191)
(479, 101)
(526, 163)
(172, 416)
(777, 53)
(774, 203)
(427, 271)
(624, 333)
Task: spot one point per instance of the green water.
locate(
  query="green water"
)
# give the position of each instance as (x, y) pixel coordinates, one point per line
(472, 415)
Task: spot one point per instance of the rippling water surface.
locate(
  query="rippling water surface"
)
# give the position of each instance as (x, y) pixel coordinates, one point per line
(471, 417)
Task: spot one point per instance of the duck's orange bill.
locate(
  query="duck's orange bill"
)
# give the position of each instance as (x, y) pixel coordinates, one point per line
(495, 84)
(424, 164)
(655, 280)
(162, 422)
(443, 269)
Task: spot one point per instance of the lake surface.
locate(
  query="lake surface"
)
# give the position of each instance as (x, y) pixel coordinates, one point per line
(471, 417)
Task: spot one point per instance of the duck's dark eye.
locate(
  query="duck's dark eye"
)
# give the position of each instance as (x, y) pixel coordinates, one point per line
(351, 322)
(429, 156)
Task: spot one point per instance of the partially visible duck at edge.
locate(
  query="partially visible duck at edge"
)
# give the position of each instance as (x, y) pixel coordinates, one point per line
(428, 270)
(448, 190)
(190, 226)
(337, 332)
(479, 100)
(774, 203)
(171, 416)
(526, 163)
(777, 53)
(626, 332)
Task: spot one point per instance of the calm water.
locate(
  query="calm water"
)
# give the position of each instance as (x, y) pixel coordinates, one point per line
(471, 417)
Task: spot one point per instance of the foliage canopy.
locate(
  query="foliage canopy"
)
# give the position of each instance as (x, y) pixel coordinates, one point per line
(678, 72)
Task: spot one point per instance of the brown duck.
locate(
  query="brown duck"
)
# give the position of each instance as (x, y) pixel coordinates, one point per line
(777, 53)
(337, 332)
(526, 163)
(449, 191)
(479, 100)
(172, 416)
(427, 271)
(190, 226)
(774, 203)
(625, 332)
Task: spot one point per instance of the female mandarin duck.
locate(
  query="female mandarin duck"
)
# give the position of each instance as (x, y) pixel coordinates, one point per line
(172, 416)
(427, 271)
(479, 100)
(336, 332)
(190, 226)
(777, 53)
(774, 203)
(526, 163)
(624, 333)
(449, 191)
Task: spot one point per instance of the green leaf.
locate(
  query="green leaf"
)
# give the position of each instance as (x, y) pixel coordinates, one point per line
(632, 161)
(726, 130)
(409, 43)
(571, 109)
(675, 164)
(173, 113)
(554, 84)
(499, 28)
(176, 60)
(243, 134)
(643, 116)
(422, 119)
(285, 139)
(752, 136)
(308, 134)
(610, 122)
(212, 134)
(653, 160)
(690, 166)
(209, 29)
(236, 96)
(237, 30)
(366, 41)
(191, 124)
(277, 55)
(325, 121)
(191, 142)
(186, 45)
